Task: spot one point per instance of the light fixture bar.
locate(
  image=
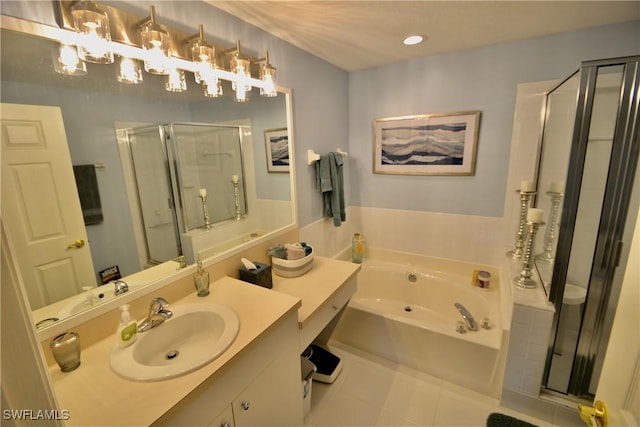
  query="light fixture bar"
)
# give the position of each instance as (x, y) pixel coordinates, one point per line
(126, 42)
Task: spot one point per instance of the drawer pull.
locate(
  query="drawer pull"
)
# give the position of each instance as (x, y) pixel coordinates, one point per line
(335, 307)
(245, 405)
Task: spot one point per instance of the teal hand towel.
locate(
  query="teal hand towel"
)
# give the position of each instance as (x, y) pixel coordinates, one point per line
(330, 182)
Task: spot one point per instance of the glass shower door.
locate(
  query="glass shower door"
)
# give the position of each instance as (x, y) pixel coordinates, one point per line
(602, 165)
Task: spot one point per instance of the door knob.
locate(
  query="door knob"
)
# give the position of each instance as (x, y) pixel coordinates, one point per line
(597, 414)
(77, 244)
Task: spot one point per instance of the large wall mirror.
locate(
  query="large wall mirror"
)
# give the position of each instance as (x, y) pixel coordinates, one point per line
(149, 156)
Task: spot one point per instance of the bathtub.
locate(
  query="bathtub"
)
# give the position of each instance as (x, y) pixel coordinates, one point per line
(404, 311)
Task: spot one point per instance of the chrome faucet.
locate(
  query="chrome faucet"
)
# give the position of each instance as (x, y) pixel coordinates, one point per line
(120, 287)
(158, 313)
(472, 325)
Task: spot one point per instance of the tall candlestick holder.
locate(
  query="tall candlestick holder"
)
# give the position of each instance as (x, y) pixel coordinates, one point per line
(524, 280)
(205, 212)
(550, 233)
(525, 198)
(236, 194)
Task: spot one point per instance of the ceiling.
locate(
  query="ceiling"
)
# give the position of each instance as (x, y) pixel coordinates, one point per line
(356, 35)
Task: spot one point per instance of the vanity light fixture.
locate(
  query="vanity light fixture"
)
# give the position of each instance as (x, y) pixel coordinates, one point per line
(129, 70)
(267, 74)
(155, 41)
(176, 81)
(241, 67)
(212, 90)
(92, 25)
(66, 61)
(413, 40)
(203, 55)
(163, 50)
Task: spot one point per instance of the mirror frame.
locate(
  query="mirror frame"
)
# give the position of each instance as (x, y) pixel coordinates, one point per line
(52, 33)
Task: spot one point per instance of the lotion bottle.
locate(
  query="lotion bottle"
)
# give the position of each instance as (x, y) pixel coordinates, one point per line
(201, 280)
(127, 330)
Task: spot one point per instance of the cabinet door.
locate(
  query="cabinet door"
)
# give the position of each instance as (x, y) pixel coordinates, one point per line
(225, 419)
(260, 404)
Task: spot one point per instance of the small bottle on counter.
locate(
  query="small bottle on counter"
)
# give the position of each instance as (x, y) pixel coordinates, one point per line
(201, 280)
(357, 248)
(127, 329)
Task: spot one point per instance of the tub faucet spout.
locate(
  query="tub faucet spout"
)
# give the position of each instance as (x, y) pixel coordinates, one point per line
(468, 318)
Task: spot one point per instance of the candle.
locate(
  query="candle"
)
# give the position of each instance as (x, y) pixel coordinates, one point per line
(202, 192)
(556, 187)
(235, 179)
(535, 215)
(527, 186)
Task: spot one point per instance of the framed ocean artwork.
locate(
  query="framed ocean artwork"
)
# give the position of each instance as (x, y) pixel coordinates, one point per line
(277, 147)
(426, 144)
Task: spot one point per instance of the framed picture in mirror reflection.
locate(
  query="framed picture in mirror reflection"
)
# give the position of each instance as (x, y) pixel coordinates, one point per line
(277, 148)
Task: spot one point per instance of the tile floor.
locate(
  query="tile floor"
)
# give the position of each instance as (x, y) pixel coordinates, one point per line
(371, 391)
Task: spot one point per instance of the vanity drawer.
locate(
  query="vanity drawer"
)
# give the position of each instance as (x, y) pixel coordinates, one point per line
(311, 327)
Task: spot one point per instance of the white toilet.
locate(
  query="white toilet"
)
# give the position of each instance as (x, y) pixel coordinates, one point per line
(573, 295)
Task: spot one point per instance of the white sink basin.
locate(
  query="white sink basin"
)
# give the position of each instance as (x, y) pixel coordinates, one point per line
(195, 335)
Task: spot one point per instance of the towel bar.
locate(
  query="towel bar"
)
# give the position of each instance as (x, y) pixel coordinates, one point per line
(312, 156)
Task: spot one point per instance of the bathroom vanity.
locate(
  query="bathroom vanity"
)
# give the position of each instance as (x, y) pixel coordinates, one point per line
(324, 291)
(262, 355)
(236, 389)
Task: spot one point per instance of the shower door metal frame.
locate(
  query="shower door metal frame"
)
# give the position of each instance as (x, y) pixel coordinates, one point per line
(171, 201)
(622, 168)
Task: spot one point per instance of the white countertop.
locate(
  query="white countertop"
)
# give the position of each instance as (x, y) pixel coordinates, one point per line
(317, 286)
(95, 395)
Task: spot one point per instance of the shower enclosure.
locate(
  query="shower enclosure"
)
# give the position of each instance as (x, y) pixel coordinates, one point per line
(590, 141)
(187, 176)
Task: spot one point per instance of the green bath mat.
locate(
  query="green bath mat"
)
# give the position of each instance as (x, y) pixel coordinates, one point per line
(501, 420)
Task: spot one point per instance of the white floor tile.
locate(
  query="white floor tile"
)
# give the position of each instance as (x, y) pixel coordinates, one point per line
(344, 409)
(392, 420)
(368, 382)
(373, 392)
(455, 409)
(412, 399)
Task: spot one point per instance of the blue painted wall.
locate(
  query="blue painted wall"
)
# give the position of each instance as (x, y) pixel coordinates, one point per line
(482, 79)
(333, 108)
(320, 90)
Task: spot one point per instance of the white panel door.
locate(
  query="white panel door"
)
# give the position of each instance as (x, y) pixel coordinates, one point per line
(40, 204)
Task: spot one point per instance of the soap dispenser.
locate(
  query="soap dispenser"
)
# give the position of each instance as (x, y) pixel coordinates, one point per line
(201, 280)
(127, 329)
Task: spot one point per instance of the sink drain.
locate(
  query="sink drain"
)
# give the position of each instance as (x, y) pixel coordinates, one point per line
(172, 355)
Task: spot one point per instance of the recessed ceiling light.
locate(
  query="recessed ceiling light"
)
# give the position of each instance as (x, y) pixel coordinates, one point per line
(411, 40)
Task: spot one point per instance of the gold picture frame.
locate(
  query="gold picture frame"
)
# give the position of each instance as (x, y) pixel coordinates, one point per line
(426, 144)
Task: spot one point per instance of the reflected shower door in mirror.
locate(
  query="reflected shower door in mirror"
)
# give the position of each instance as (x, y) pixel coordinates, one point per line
(154, 195)
(94, 108)
(210, 173)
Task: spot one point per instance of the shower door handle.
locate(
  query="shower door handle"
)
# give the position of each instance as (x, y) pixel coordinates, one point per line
(617, 253)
